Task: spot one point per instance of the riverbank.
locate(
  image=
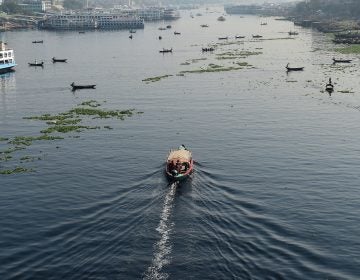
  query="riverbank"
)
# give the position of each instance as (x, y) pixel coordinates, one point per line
(14, 22)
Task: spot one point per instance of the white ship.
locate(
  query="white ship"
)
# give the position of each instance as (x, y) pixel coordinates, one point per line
(7, 58)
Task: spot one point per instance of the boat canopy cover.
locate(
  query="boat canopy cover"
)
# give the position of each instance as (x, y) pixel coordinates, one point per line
(181, 155)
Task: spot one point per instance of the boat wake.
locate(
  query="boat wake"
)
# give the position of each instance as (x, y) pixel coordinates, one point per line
(163, 246)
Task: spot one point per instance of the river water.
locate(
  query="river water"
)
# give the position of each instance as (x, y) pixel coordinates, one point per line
(275, 194)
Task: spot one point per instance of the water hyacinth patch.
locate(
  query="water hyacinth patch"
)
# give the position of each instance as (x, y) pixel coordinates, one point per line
(66, 122)
(155, 79)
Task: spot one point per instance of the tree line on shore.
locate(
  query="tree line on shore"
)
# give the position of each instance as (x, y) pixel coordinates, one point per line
(331, 8)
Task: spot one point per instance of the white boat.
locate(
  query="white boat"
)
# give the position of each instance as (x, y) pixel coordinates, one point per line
(7, 58)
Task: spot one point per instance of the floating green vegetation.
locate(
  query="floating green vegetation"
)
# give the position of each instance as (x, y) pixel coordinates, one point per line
(91, 103)
(6, 158)
(4, 139)
(68, 121)
(281, 38)
(15, 170)
(227, 43)
(243, 64)
(352, 49)
(236, 54)
(67, 128)
(27, 140)
(155, 79)
(48, 117)
(194, 60)
(102, 113)
(11, 150)
(212, 68)
(64, 122)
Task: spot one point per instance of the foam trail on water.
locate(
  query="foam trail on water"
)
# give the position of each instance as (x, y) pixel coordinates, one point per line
(163, 246)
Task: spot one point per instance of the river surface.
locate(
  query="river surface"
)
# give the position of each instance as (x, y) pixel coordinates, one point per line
(276, 191)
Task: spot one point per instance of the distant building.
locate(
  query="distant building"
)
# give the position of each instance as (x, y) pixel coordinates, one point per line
(36, 6)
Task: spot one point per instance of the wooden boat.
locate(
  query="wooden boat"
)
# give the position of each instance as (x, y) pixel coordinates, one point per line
(257, 36)
(81, 32)
(131, 36)
(329, 86)
(35, 63)
(294, 68)
(168, 26)
(132, 31)
(75, 87)
(179, 164)
(160, 37)
(263, 23)
(38, 42)
(239, 37)
(58, 59)
(208, 49)
(341, 60)
(221, 18)
(162, 28)
(204, 25)
(177, 33)
(166, 51)
(223, 38)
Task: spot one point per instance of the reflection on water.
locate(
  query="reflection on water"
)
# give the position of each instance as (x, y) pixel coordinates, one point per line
(7, 92)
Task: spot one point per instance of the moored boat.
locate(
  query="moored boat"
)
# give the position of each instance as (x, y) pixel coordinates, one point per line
(166, 51)
(177, 33)
(223, 38)
(294, 68)
(35, 63)
(75, 87)
(341, 60)
(179, 164)
(59, 59)
(221, 18)
(7, 59)
(257, 36)
(239, 37)
(38, 42)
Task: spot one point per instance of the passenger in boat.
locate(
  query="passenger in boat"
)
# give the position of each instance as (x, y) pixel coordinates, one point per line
(178, 166)
(185, 166)
(171, 166)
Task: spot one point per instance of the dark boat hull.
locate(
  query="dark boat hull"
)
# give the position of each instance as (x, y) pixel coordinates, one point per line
(83, 87)
(295, 69)
(36, 64)
(341, 60)
(58, 60)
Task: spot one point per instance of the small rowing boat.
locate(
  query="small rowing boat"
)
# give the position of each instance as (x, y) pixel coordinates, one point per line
(166, 51)
(75, 87)
(341, 60)
(294, 68)
(35, 63)
(58, 59)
